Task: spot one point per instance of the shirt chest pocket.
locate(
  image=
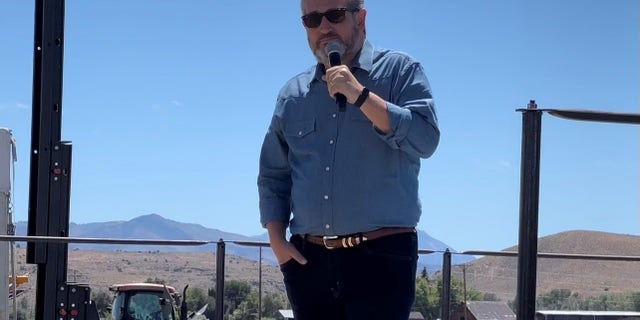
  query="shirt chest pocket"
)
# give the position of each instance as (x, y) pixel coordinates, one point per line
(301, 136)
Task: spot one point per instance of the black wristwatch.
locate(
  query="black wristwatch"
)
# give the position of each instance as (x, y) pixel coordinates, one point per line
(362, 98)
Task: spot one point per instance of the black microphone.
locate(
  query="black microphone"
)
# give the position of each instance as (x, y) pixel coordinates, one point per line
(334, 51)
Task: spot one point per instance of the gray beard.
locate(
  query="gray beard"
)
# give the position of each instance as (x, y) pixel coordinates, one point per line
(322, 57)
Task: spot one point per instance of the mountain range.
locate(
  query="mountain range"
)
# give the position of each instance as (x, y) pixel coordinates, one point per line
(494, 275)
(154, 226)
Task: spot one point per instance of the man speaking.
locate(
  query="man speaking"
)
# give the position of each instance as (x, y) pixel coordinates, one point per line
(339, 167)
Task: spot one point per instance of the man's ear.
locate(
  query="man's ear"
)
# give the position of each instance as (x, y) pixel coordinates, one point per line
(362, 16)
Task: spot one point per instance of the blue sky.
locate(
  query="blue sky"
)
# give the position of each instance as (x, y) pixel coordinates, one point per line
(167, 102)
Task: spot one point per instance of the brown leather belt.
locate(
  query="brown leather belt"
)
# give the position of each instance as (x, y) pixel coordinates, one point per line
(334, 242)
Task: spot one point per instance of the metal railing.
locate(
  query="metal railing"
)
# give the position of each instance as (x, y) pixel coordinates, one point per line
(446, 268)
(221, 255)
(530, 192)
(84, 312)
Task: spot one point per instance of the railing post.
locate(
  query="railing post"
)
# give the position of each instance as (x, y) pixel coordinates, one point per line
(529, 197)
(260, 285)
(446, 285)
(220, 280)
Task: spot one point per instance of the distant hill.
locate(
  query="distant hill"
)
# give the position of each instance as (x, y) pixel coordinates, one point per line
(154, 226)
(497, 275)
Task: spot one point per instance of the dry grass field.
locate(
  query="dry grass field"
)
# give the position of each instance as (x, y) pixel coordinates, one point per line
(100, 269)
(497, 275)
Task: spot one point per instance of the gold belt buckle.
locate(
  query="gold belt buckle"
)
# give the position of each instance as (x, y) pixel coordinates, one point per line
(324, 240)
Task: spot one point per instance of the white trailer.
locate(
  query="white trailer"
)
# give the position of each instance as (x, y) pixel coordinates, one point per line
(7, 157)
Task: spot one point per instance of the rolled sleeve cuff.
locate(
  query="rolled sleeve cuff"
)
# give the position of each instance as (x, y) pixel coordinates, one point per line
(399, 122)
(273, 213)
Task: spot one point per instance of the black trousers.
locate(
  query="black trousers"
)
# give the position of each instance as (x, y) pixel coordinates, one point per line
(375, 280)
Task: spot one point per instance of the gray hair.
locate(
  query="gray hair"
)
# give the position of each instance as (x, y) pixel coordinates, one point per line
(355, 4)
(351, 4)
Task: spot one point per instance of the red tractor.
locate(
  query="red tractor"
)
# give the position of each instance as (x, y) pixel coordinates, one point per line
(148, 301)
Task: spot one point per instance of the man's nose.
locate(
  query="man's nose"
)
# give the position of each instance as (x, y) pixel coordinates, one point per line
(325, 26)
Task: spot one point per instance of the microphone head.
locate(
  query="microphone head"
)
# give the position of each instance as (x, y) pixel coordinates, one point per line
(334, 47)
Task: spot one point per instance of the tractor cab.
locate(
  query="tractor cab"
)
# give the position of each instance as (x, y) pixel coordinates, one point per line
(144, 301)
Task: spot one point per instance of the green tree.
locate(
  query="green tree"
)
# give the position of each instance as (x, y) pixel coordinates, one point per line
(103, 301)
(427, 300)
(555, 299)
(634, 298)
(564, 299)
(428, 296)
(601, 303)
(621, 302)
(196, 298)
(241, 302)
(458, 292)
(247, 309)
(424, 274)
(574, 302)
(234, 293)
(272, 302)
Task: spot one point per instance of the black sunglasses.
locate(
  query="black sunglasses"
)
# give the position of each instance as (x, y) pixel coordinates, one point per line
(314, 19)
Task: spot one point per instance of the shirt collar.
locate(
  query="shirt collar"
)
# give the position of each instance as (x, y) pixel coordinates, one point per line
(363, 60)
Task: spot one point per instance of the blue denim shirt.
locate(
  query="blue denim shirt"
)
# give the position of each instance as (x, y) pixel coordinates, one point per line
(326, 172)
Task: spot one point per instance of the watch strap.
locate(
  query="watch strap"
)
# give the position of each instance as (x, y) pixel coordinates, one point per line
(362, 98)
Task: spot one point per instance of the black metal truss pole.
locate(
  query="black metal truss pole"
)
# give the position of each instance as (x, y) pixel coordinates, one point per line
(220, 254)
(446, 285)
(529, 196)
(50, 161)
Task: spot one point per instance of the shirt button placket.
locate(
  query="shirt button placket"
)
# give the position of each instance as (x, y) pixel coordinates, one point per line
(328, 178)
